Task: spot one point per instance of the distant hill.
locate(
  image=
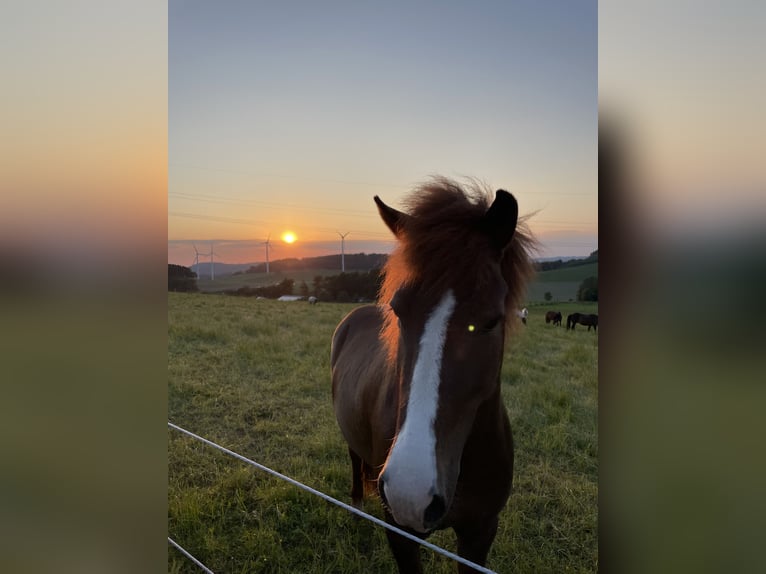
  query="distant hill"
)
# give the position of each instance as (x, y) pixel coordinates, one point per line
(221, 269)
(551, 263)
(558, 258)
(353, 262)
(562, 278)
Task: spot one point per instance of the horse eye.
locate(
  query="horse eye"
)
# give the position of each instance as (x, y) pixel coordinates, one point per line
(489, 326)
(396, 303)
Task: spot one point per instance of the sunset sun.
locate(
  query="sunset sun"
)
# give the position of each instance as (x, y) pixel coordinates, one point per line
(288, 237)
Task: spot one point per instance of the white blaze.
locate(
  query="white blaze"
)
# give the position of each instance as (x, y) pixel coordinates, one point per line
(410, 475)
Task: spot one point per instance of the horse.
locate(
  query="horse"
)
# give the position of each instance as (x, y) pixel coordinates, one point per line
(523, 314)
(589, 320)
(312, 300)
(416, 376)
(554, 316)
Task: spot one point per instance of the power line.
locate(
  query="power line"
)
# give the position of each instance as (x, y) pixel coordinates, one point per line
(365, 235)
(332, 500)
(547, 223)
(293, 177)
(348, 182)
(224, 219)
(355, 213)
(189, 556)
(238, 200)
(218, 218)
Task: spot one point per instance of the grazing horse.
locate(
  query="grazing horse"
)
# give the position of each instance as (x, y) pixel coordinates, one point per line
(416, 377)
(554, 316)
(589, 320)
(523, 314)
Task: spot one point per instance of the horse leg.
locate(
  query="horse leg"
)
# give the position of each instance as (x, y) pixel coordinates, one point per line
(405, 551)
(474, 542)
(357, 479)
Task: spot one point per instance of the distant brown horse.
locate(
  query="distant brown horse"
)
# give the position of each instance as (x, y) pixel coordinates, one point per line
(554, 316)
(416, 378)
(589, 320)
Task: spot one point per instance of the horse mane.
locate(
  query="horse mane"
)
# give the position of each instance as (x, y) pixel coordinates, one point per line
(442, 246)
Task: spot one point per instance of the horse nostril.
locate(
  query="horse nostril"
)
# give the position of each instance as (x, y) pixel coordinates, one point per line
(435, 511)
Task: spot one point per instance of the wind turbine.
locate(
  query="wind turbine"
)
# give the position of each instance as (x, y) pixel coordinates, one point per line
(196, 260)
(212, 265)
(343, 250)
(267, 243)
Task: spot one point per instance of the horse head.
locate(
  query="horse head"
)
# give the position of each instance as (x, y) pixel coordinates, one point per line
(448, 295)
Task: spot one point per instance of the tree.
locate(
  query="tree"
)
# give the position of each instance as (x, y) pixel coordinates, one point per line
(181, 278)
(285, 287)
(588, 290)
(548, 296)
(318, 284)
(303, 289)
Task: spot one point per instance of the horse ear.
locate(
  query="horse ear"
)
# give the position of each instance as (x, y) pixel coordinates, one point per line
(500, 220)
(395, 220)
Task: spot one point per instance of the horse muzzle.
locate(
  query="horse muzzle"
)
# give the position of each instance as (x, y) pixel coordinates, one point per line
(421, 513)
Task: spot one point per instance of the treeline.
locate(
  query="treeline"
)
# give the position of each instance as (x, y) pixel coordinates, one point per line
(181, 278)
(348, 287)
(588, 290)
(352, 262)
(284, 287)
(342, 288)
(559, 263)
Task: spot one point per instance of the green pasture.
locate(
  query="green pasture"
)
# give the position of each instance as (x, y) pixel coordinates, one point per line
(253, 376)
(562, 283)
(575, 273)
(225, 282)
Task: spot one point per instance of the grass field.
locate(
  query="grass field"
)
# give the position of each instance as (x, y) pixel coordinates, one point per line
(567, 274)
(225, 282)
(562, 283)
(253, 376)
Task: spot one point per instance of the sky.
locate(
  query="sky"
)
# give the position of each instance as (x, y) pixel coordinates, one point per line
(294, 115)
